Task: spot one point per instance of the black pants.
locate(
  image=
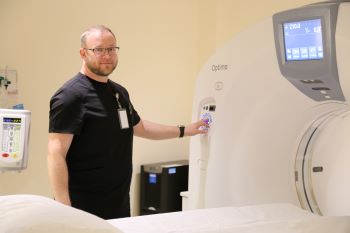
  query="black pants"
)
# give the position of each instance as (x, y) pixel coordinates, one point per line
(108, 205)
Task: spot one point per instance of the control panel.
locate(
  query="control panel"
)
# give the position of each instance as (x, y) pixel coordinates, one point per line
(207, 112)
(11, 129)
(14, 133)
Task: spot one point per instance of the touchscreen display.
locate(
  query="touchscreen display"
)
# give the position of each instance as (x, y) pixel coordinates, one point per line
(303, 40)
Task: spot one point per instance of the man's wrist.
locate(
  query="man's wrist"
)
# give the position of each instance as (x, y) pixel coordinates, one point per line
(181, 130)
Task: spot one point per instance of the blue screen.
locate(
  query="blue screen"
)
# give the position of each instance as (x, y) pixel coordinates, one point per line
(303, 40)
(152, 178)
(172, 170)
(12, 120)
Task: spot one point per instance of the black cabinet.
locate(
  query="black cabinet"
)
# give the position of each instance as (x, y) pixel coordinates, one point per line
(161, 184)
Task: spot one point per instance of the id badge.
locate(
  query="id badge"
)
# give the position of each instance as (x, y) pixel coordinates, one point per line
(123, 119)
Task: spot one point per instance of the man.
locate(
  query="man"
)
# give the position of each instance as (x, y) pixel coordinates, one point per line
(91, 128)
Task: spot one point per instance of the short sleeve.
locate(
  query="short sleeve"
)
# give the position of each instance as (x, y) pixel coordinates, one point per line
(135, 116)
(66, 112)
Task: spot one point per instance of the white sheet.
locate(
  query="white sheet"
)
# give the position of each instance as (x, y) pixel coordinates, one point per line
(37, 214)
(281, 218)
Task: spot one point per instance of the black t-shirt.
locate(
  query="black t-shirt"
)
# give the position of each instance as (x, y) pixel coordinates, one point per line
(99, 159)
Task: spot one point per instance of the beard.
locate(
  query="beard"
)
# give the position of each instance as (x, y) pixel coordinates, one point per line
(102, 71)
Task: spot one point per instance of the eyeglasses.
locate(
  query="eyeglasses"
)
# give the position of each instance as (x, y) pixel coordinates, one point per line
(102, 51)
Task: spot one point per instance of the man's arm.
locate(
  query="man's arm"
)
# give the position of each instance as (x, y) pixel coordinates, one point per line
(58, 146)
(151, 130)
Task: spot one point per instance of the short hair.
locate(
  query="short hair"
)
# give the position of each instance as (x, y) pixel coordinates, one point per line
(87, 32)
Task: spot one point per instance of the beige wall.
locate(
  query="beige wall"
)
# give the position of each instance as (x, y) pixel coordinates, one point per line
(163, 45)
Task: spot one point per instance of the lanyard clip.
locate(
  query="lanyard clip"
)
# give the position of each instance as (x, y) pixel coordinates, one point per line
(117, 97)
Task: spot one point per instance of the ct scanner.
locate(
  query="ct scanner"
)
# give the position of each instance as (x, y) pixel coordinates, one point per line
(276, 98)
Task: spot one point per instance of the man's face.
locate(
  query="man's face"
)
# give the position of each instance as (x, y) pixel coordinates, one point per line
(100, 63)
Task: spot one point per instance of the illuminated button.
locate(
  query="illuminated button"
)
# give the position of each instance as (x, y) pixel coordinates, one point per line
(207, 118)
(14, 155)
(5, 155)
